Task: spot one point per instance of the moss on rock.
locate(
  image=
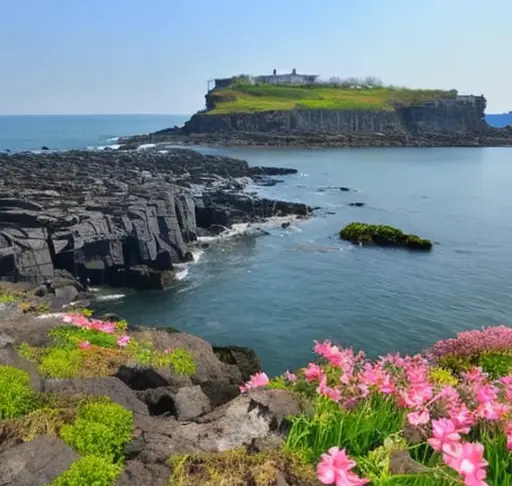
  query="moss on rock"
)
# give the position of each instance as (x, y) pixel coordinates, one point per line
(382, 235)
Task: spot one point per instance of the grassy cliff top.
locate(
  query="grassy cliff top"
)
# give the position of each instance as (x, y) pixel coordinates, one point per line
(245, 98)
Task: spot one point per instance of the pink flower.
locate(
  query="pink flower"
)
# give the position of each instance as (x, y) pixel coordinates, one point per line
(291, 377)
(313, 372)
(107, 327)
(84, 345)
(462, 418)
(444, 434)
(332, 393)
(508, 433)
(492, 410)
(468, 460)
(257, 380)
(334, 468)
(419, 418)
(123, 341)
(167, 350)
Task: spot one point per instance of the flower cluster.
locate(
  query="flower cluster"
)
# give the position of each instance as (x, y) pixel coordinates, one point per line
(335, 468)
(107, 327)
(444, 414)
(468, 343)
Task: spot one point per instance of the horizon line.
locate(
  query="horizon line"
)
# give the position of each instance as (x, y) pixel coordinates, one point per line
(96, 114)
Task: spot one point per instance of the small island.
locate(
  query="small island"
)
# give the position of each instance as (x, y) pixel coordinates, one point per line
(293, 109)
(382, 235)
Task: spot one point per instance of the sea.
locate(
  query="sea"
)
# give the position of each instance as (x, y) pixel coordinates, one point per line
(278, 292)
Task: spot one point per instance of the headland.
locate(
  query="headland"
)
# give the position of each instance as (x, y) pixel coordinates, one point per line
(298, 110)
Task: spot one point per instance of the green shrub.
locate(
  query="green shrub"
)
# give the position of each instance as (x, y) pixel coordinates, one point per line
(16, 396)
(101, 429)
(497, 364)
(28, 352)
(382, 235)
(455, 363)
(89, 471)
(71, 336)
(60, 362)
(441, 376)
(182, 362)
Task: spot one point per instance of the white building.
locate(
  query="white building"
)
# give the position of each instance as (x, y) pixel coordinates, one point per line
(291, 78)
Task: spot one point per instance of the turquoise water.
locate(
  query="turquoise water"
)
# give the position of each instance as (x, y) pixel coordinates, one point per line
(278, 293)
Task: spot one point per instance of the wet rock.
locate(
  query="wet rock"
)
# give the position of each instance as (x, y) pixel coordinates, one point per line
(286, 224)
(35, 463)
(107, 386)
(345, 189)
(357, 204)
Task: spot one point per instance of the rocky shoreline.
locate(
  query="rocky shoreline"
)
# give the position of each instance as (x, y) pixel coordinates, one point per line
(172, 412)
(491, 137)
(123, 218)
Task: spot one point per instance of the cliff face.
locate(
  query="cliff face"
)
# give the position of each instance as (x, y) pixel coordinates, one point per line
(460, 115)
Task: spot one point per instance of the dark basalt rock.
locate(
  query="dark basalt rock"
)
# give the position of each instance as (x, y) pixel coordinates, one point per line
(35, 463)
(120, 218)
(357, 204)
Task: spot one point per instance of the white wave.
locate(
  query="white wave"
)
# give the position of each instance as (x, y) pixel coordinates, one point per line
(110, 297)
(302, 174)
(182, 274)
(146, 146)
(51, 315)
(163, 151)
(114, 146)
(197, 255)
(93, 289)
(113, 139)
(239, 229)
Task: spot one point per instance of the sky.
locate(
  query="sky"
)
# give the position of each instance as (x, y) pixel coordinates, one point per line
(155, 56)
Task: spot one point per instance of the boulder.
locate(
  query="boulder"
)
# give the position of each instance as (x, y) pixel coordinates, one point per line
(219, 381)
(108, 386)
(35, 463)
(257, 415)
(245, 359)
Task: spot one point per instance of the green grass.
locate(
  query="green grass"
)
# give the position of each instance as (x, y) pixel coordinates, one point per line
(243, 98)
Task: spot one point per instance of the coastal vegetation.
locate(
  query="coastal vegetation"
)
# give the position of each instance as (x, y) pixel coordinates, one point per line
(382, 235)
(439, 418)
(87, 348)
(247, 98)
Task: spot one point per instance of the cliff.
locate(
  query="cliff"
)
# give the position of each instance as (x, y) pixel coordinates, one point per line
(459, 115)
(327, 116)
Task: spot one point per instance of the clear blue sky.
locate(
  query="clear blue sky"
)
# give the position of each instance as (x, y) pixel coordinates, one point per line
(154, 56)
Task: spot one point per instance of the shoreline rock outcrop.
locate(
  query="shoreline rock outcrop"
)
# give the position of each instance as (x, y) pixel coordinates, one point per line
(121, 218)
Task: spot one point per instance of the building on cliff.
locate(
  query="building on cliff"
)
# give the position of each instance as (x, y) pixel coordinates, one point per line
(292, 78)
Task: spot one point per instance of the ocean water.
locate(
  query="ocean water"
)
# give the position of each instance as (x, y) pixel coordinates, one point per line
(278, 293)
(76, 131)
